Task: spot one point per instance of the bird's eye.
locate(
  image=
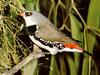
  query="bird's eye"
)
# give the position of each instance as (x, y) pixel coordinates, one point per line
(28, 13)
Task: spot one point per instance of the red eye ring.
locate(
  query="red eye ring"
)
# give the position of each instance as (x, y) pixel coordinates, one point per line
(28, 13)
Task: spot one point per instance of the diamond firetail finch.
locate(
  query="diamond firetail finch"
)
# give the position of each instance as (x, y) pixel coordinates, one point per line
(45, 35)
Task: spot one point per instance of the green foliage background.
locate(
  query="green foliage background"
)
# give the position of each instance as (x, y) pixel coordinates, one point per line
(66, 16)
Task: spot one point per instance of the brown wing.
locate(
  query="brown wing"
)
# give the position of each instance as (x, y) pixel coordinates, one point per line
(49, 32)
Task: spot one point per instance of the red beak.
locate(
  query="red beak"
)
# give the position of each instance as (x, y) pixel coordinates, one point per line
(22, 14)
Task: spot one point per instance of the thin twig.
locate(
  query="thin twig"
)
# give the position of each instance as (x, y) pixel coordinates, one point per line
(30, 57)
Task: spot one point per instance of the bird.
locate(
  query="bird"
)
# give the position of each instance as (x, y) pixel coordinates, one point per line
(44, 34)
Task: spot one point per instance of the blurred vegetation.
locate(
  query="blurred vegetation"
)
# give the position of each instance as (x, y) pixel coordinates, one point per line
(78, 19)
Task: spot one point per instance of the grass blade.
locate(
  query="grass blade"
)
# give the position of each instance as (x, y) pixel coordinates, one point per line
(53, 67)
(30, 68)
(72, 67)
(76, 27)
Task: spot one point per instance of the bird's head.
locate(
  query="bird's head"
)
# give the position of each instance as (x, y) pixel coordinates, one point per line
(36, 19)
(33, 18)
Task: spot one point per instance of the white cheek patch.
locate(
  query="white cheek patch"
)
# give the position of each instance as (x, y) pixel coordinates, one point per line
(29, 21)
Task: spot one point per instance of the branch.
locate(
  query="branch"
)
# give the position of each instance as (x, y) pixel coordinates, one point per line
(30, 57)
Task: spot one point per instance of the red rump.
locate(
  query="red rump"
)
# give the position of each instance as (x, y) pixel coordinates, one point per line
(72, 45)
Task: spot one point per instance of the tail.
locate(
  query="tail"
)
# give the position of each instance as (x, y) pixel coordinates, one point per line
(86, 52)
(74, 47)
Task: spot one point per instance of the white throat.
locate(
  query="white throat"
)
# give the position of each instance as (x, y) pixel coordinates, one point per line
(29, 21)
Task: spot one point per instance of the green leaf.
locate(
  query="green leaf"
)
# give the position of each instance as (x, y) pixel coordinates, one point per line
(92, 21)
(53, 67)
(95, 30)
(30, 68)
(62, 66)
(32, 5)
(71, 64)
(29, 5)
(22, 1)
(76, 27)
